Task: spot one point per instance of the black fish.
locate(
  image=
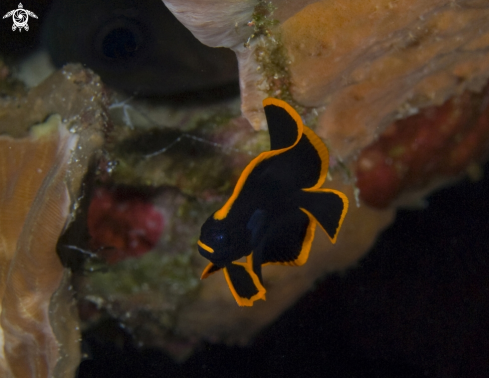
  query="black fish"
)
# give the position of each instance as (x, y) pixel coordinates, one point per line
(272, 214)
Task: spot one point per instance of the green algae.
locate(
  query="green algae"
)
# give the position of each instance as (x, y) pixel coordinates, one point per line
(273, 60)
(168, 276)
(262, 21)
(270, 53)
(205, 158)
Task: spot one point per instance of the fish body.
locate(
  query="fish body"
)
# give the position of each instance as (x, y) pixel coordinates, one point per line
(272, 214)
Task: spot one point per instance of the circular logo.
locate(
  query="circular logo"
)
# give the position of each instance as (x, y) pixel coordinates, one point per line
(20, 16)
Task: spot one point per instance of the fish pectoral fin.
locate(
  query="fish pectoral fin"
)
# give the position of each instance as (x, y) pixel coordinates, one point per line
(257, 225)
(327, 206)
(209, 269)
(244, 283)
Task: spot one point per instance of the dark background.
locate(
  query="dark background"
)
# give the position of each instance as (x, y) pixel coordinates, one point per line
(416, 306)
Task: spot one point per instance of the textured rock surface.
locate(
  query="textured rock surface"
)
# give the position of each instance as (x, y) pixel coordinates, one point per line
(370, 62)
(436, 143)
(360, 65)
(41, 169)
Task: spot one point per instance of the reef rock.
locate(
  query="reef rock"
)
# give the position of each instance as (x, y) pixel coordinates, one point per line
(359, 65)
(49, 139)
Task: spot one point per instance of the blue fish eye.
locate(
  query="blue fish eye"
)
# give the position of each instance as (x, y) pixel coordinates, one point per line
(217, 236)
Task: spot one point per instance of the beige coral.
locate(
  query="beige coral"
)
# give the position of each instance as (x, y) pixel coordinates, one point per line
(35, 206)
(368, 63)
(41, 169)
(360, 64)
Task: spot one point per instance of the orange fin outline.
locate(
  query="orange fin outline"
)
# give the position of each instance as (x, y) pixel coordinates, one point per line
(248, 266)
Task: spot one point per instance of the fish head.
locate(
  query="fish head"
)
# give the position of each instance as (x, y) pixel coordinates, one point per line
(214, 240)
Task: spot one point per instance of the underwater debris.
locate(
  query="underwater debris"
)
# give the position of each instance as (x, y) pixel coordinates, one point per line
(42, 162)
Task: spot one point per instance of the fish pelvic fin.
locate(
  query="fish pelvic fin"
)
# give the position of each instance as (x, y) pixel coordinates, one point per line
(328, 207)
(209, 269)
(244, 282)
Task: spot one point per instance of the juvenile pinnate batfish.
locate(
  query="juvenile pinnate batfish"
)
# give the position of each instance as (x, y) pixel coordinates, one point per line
(272, 214)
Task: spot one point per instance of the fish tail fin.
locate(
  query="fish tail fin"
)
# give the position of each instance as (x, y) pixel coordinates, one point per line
(244, 283)
(326, 206)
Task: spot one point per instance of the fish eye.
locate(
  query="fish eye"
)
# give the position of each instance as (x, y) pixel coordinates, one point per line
(217, 236)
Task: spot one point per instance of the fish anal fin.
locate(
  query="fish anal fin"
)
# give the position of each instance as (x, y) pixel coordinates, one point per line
(209, 269)
(288, 240)
(303, 256)
(327, 206)
(244, 283)
(306, 244)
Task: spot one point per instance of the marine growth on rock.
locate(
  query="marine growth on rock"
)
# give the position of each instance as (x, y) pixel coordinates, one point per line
(49, 138)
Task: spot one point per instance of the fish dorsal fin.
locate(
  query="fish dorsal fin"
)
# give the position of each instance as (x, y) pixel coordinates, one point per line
(284, 123)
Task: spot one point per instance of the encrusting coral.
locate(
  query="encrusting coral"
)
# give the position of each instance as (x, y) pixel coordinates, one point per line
(35, 206)
(42, 165)
(360, 65)
(125, 221)
(436, 143)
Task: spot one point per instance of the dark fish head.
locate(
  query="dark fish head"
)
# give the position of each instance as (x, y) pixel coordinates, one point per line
(213, 243)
